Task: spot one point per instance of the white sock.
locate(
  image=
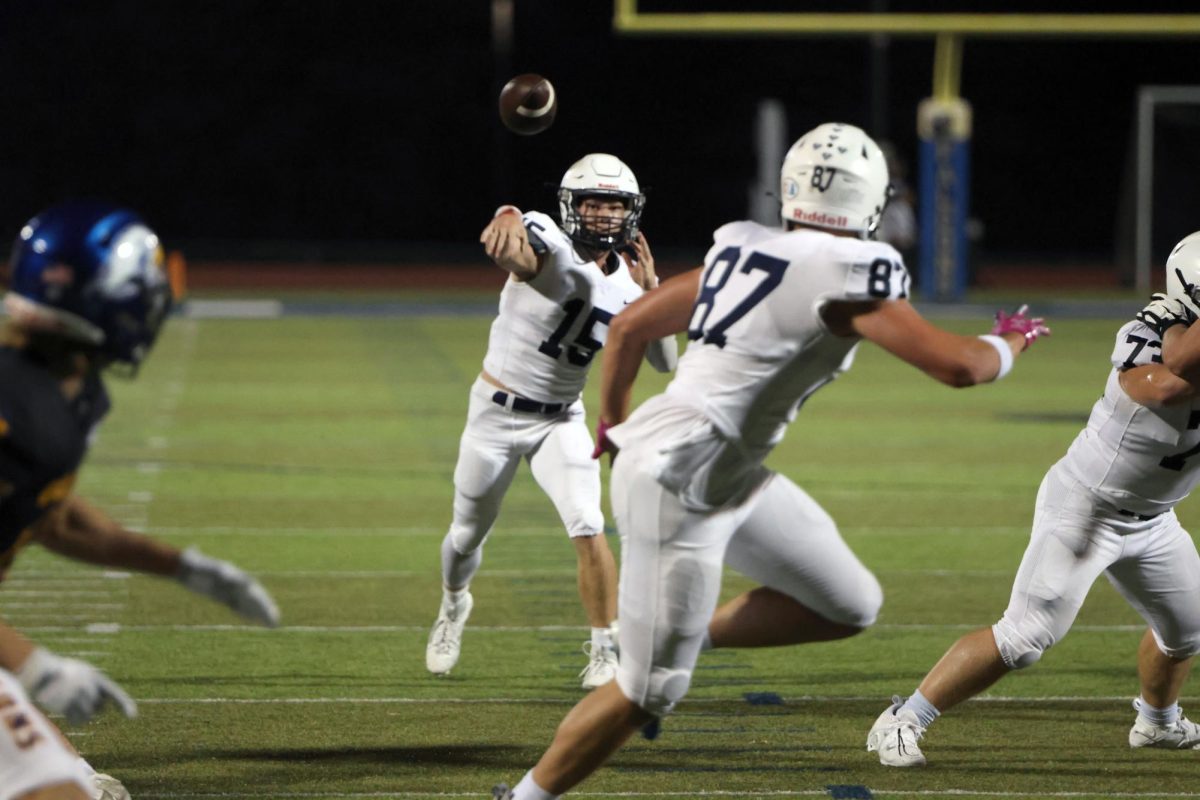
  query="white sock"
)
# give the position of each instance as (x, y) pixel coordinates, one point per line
(528, 789)
(1162, 717)
(920, 707)
(707, 644)
(602, 639)
(452, 598)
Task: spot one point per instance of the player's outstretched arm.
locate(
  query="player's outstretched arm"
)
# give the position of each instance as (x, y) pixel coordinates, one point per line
(947, 357)
(77, 529)
(65, 686)
(664, 312)
(506, 242)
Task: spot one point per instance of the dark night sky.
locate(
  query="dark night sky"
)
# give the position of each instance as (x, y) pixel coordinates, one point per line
(241, 121)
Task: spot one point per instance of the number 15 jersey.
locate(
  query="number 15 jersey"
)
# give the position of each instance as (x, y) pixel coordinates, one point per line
(549, 328)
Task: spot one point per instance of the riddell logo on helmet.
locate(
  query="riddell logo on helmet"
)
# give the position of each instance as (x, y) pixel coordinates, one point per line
(819, 218)
(607, 186)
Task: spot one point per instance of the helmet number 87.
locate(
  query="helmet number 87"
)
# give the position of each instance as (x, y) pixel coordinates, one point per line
(822, 177)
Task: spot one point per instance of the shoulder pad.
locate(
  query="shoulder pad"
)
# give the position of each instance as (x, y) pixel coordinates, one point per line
(544, 233)
(1136, 346)
(874, 270)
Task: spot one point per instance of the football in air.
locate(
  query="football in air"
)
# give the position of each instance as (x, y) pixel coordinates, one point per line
(528, 104)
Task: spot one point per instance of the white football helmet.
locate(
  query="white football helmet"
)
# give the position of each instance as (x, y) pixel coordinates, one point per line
(600, 175)
(835, 177)
(1183, 272)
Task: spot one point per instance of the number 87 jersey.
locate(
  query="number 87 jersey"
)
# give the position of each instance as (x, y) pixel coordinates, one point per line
(758, 347)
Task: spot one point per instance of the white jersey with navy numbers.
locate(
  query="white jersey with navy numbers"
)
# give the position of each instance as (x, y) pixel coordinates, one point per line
(550, 327)
(1142, 460)
(758, 348)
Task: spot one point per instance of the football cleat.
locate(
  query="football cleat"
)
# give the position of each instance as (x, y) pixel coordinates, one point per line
(445, 639)
(601, 667)
(895, 738)
(501, 792)
(109, 788)
(1182, 734)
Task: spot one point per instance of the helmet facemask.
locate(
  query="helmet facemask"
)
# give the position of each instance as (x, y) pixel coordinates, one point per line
(605, 178)
(601, 231)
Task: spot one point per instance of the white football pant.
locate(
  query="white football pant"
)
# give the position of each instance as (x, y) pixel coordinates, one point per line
(671, 564)
(32, 754)
(1076, 537)
(558, 448)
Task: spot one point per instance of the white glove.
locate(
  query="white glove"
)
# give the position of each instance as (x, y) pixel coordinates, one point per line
(227, 584)
(70, 687)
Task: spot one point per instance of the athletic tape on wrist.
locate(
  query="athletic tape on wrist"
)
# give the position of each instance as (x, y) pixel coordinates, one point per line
(1002, 350)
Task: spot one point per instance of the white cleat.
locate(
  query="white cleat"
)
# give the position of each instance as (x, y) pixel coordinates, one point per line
(445, 639)
(1183, 734)
(895, 738)
(601, 667)
(109, 788)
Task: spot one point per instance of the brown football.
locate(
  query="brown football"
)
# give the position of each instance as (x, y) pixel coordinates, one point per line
(528, 104)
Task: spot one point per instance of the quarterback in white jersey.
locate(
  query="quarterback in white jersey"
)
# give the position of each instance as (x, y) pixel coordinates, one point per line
(1107, 507)
(774, 314)
(566, 285)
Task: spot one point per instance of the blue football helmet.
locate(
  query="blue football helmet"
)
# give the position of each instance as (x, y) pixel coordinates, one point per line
(91, 272)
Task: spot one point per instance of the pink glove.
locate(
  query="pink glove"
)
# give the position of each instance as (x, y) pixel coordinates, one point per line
(603, 445)
(1019, 322)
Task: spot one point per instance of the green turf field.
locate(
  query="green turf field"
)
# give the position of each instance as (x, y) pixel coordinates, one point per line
(318, 454)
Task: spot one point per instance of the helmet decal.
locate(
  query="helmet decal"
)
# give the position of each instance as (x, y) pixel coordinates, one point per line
(835, 177)
(92, 272)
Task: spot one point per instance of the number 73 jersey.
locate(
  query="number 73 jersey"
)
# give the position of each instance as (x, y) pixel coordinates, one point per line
(758, 347)
(550, 327)
(1143, 460)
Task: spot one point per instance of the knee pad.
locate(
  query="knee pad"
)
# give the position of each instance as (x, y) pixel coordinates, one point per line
(1022, 644)
(656, 692)
(869, 601)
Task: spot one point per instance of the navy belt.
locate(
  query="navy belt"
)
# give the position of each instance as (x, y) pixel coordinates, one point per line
(1139, 517)
(525, 405)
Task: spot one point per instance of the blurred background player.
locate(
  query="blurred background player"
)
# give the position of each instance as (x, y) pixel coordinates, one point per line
(774, 315)
(1106, 507)
(86, 292)
(566, 282)
(36, 761)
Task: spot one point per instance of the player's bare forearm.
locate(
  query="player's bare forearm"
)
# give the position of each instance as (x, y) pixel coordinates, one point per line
(14, 648)
(1181, 352)
(77, 529)
(655, 315)
(1153, 386)
(947, 357)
